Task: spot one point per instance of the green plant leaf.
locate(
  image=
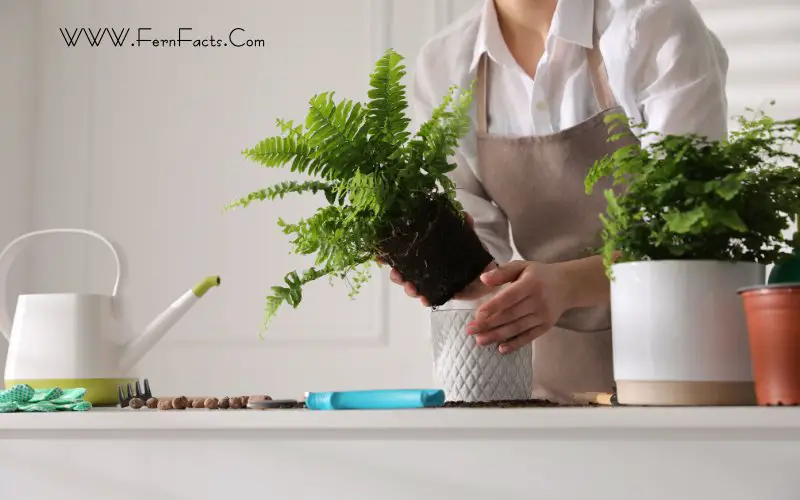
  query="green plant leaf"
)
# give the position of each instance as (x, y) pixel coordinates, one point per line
(728, 187)
(730, 219)
(687, 197)
(685, 222)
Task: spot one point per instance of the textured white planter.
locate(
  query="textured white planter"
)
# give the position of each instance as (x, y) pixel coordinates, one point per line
(679, 332)
(469, 372)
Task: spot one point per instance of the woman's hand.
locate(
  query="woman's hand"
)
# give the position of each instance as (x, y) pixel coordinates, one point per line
(535, 297)
(474, 290)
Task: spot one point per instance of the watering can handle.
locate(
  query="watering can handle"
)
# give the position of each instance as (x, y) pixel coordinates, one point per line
(13, 249)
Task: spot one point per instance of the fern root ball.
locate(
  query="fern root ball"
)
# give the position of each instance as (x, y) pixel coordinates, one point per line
(436, 251)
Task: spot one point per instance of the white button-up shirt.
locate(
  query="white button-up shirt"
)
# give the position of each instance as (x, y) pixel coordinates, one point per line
(665, 69)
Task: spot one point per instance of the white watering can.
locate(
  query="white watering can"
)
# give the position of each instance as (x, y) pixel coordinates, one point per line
(71, 340)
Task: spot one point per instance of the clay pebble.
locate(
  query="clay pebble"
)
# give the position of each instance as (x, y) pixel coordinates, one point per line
(211, 403)
(180, 403)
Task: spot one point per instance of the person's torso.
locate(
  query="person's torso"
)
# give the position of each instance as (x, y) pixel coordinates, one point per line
(560, 94)
(537, 181)
(557, 96)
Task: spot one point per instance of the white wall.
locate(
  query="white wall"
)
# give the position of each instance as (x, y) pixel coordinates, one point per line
(763, 42)
(18, 97)
(143, 146)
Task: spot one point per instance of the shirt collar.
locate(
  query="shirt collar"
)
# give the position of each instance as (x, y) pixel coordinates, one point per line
(573, 22)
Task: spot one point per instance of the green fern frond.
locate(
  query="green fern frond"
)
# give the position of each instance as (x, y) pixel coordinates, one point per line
(441, 134)
(278, 151)
(388, 122)
(370, 169)
(292, 293)
(361, 276)
(335, 131)
(435, 142)
(367, 192)
(338, 235)
(282, 189)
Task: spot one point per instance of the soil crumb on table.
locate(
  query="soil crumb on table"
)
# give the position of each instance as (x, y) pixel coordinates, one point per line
(522, 403)
(291, 406)
(516, 403)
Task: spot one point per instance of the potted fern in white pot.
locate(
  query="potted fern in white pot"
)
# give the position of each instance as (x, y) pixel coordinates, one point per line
(387, 189)
(697, 221)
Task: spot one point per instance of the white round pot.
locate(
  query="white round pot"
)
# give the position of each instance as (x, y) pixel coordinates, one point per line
(679, 332)
(468, 372)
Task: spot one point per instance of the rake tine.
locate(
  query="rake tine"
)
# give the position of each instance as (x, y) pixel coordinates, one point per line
(138, 389)
(122, 401)
(147, 392)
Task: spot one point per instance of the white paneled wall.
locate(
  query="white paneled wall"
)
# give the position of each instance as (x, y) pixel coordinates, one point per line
(763, 42)
(143, 145)
(18, 100)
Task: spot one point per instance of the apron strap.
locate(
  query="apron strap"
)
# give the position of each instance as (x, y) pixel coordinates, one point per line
(597, 71)
(482, 94)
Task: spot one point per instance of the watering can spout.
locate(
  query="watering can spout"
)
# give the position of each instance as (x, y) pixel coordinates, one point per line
(139, 346)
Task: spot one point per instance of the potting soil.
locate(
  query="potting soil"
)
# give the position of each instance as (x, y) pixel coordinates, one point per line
(436, 251)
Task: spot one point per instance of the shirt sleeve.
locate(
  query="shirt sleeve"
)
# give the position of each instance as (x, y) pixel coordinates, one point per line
(491, 224)
(681, 70)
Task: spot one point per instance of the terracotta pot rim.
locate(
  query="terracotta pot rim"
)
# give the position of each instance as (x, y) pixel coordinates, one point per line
(770, 289)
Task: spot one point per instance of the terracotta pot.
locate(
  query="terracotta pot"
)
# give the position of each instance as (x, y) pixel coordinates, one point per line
(773, 323)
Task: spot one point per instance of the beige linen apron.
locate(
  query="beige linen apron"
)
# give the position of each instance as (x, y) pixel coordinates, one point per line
(538, 182)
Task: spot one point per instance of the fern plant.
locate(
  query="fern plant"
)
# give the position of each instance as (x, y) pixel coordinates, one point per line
(376, 176)
(685, 197)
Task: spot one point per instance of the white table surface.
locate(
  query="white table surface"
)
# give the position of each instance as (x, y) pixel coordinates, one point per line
(462, 454)
(601, 418)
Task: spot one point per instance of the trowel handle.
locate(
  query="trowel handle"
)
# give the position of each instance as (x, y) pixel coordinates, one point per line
(9, 254)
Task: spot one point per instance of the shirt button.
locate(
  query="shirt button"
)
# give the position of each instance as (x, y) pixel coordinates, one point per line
(541, 106)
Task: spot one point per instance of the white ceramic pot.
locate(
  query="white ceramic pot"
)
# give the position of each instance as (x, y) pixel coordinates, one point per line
(472, 373)
(679, 332)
